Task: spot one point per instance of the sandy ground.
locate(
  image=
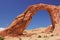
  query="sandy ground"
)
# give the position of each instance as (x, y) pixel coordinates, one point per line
(36, 34)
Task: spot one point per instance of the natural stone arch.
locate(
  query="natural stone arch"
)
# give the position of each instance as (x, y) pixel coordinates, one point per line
(22, 21)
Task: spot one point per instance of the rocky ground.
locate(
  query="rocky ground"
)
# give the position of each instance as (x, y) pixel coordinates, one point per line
(36, 34)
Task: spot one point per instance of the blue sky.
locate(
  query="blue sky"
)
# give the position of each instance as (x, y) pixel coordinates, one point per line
(9, 9)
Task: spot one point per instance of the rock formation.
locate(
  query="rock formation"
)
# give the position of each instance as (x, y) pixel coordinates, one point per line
(20, 23)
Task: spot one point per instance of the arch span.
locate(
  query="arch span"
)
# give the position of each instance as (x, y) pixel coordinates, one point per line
(22, 21)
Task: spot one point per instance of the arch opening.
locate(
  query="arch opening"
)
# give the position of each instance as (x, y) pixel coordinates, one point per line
(40, 19)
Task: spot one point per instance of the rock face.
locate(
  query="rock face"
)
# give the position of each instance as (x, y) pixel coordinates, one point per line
(20, 23)
(49, 29)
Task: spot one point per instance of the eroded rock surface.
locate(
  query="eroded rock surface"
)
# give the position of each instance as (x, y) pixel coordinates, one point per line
(20, 23)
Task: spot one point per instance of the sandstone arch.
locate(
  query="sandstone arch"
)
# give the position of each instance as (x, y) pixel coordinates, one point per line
(22, 21)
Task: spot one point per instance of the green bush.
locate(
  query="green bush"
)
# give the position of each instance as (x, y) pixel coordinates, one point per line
(1, 38)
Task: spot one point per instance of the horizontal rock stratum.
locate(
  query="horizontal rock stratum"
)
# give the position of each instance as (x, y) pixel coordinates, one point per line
(22, 21)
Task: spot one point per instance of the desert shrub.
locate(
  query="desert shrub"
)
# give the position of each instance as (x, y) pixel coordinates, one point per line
(20, 39)
(1, 38)
(39, 36)
(52, 35)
